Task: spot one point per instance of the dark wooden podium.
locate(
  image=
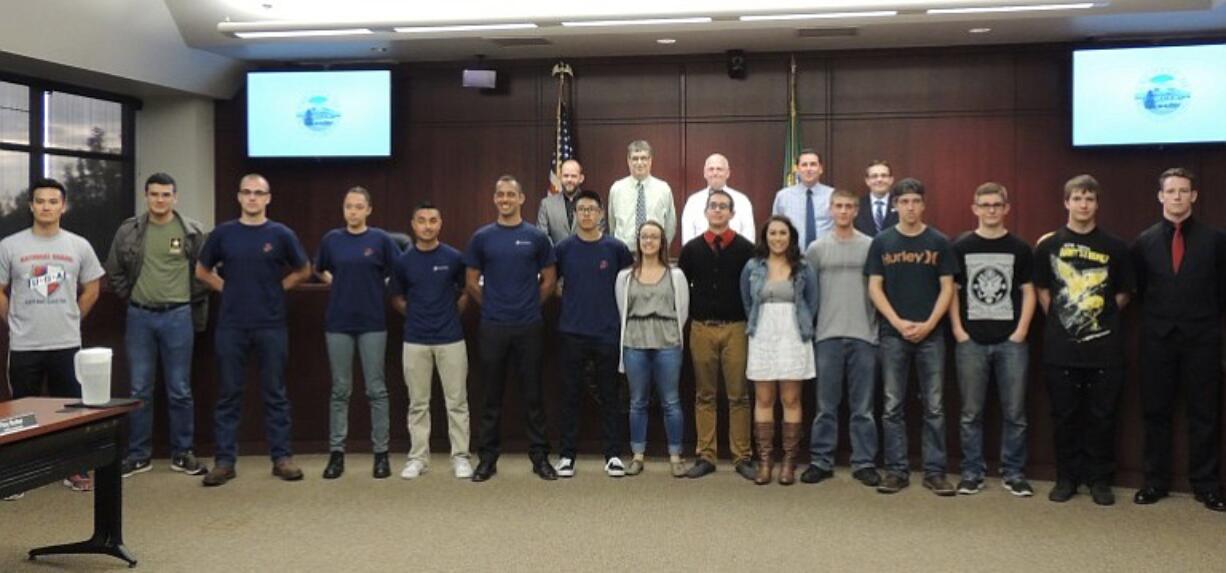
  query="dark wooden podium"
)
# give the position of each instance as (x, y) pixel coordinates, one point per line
(68, 441)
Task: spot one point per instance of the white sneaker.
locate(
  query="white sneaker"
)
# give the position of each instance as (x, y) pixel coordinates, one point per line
(565, 468)
(614, 467)
(463, 468)
(413, 469)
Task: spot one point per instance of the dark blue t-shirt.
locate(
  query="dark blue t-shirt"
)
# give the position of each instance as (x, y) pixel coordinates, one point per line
(359, 265)
(510, 258)
(253, 259)
(430, 282)
(588, 271)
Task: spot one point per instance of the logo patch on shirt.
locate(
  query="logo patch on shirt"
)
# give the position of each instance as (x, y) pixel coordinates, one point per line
(176, 245)
(521, 243)
(438, 268)
(604, 264)
(368, 252)
(46, 279)
(267, 247)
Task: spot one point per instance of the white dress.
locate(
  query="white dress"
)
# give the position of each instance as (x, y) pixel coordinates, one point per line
(776, 351)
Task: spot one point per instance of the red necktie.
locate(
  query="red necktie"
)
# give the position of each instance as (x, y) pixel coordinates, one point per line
(1177, 247)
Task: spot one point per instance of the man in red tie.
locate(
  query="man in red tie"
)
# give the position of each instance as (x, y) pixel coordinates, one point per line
(1180, 263)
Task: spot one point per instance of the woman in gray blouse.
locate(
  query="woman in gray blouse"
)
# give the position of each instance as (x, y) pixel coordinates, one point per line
(653, 299)
(779, 291)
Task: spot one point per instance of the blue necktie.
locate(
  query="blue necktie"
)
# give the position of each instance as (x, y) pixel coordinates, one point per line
(810, 220)
(640, 206)
(879, 213)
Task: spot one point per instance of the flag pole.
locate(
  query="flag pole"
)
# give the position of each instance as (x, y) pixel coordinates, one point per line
(560, 70)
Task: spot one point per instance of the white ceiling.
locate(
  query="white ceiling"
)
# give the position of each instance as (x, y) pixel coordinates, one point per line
(1108, 20)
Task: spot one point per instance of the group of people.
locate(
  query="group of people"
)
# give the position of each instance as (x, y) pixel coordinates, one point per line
(837, 288)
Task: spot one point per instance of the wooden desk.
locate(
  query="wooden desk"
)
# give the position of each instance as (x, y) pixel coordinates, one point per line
(66, 442)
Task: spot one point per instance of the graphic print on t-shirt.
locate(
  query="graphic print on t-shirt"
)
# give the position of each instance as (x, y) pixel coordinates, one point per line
(989, 282)
(1081, 297)
(46, 279)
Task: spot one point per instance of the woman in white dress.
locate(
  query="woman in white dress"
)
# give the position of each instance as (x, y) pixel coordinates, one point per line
(779, 291)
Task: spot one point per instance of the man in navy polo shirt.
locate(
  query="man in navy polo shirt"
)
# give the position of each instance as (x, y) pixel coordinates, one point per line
(588, 263)
(510, 273)
(245, 260)
(428, 289)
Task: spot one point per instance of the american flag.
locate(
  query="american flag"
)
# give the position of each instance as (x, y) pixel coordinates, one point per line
(564, 147)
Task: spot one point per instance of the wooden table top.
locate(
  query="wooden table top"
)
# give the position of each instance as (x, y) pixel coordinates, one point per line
(52, 417)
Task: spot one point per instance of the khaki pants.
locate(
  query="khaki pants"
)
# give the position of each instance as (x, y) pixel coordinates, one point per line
(716, 349)
(452, 361)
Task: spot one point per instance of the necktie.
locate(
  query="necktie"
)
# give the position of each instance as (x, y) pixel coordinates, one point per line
(879, 213)
(1177, 248)
(719, 244)
(810, 220)
(640, 206)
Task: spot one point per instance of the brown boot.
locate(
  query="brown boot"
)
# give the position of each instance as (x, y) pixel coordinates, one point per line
(764, 434)
(791, 446)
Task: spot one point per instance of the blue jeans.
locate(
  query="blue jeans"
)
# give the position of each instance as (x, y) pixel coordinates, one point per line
(167, 335)
(857, 360)
(661, 367)
(372, 349)
(897, 355)
(1007, 361)
(234, 347)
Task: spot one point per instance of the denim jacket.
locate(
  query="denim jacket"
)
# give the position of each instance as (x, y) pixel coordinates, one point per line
(804, 282)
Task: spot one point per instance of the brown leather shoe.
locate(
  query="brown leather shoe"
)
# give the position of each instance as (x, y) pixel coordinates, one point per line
(285, 469)
(219, 475)
(764, 434)
(791, 446)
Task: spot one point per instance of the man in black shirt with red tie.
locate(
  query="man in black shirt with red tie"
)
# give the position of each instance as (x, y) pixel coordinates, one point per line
(1180, 263)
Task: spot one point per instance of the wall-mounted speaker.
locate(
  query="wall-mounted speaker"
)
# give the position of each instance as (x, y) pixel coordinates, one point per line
(736, 64)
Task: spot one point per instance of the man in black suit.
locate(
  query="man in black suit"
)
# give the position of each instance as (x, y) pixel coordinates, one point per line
(876, 213)
(1181, 263)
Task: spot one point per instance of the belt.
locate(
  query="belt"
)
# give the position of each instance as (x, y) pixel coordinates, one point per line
(716, 322)
(158, 307)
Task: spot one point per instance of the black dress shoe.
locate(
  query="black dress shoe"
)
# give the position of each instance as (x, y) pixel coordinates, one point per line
(747, 469)
(1101, 494)
(1064, 491)
(700, 468)
(1148, 495)
(814, 474)
(543, 468)
(1213, 500)
(485, 470)
(336, 465)
(382, 468)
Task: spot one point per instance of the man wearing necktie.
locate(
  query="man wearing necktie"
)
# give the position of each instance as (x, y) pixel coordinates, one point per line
(1180, 263)
(876, 213)
(808, 201)
(639, 197)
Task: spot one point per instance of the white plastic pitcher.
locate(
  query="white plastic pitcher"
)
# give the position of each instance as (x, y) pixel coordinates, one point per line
(93, 366)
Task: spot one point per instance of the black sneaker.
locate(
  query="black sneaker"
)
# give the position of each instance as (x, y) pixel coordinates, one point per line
(747, 469)
(893, 484)
(814, 474)
(133, 467)
(939, 485)
(700, 468)
(970, 486)
(867, 476)
(1019, 487)
(1102, 494)
(336, 465)
(1064, 491)
(187, 463)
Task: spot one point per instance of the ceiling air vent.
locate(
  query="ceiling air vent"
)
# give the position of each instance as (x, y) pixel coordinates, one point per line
(515, 42)
(827, 32)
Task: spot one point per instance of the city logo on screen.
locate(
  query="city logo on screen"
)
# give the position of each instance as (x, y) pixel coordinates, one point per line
(319, 113)
(1163, 93)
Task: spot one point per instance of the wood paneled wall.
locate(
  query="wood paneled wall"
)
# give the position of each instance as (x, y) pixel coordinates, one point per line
(953, 118)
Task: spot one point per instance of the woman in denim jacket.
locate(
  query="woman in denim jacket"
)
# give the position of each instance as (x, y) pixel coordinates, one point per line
(779, 291)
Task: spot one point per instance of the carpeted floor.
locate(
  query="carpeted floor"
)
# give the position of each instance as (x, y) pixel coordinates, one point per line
(651, 522)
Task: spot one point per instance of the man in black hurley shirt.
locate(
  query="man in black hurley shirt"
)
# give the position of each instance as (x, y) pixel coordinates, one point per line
(712, 263)
(1180, 263)
(1084, 278)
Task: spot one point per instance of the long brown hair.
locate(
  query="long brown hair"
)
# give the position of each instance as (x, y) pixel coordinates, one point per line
(792, 253)
(662, 255)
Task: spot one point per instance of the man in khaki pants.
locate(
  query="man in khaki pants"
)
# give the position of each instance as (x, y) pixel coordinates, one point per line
(427, 287)
(712, 263)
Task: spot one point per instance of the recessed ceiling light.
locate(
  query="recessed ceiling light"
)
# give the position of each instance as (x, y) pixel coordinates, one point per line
(667, 41)
(979, 30)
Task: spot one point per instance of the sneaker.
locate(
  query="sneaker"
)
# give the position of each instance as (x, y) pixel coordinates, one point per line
(700, 468)
(219, 475)
(1064, 491)
(79, 482)
(462, 467)
(970, 486)
(1019, 487)
(414, 468)
(187, 463)
(814, 474)
(636, 467)
(133, 467)
(867, 476)
(14, 497)
(893, 483)
(747, 469)
(679, 468)
(566, 468)
(336, 465)
(613, 467)
(939, 485)
(1102, 494)
(285, 469)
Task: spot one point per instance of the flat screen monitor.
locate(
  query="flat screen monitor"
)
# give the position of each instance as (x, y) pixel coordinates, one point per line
(319, 114)
(1149, 96)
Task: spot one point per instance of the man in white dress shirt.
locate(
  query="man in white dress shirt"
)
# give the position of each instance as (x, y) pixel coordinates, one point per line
(694, 215)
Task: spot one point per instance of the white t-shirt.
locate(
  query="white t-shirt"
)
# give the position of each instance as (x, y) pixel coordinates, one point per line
(44, 273)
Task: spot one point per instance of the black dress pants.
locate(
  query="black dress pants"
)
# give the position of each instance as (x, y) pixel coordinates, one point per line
(1187, 360)
(29, 369)
(577, 352)
(1084, 403)
(511, 350)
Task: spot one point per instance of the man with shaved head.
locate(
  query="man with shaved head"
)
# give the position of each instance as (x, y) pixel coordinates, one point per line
(694, 216)
(556, 214)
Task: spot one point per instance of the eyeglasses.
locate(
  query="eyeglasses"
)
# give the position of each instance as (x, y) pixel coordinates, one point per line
(254, 192)
(587, 210)
(990, 206)
(719, 207)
